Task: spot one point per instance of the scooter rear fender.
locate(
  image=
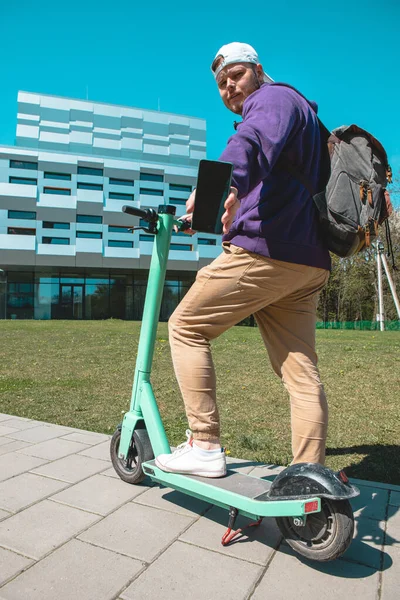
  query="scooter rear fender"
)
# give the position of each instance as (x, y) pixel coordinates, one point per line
(303, 480)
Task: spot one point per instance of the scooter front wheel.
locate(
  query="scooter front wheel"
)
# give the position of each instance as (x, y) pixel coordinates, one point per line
(140, 451)
(325, 535)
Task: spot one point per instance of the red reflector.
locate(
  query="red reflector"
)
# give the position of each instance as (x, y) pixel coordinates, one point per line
(343, 477)
(310, 507)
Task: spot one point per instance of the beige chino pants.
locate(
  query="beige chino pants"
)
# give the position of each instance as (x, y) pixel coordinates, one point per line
(283, 298)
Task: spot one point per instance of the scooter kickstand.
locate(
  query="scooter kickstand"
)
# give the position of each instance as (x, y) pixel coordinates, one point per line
(229, 535)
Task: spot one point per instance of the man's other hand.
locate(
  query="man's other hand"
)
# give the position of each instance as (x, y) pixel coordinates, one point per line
(231, 207)
(190, 202)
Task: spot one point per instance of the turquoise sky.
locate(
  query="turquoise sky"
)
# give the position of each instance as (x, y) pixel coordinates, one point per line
(342, 54)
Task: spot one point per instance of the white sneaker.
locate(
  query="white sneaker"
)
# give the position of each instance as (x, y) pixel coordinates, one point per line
(189, 459)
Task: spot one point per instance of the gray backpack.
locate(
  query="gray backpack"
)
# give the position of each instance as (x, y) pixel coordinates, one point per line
(353, 200)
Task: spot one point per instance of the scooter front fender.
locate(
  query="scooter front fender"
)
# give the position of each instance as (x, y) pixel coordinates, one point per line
(303, 480)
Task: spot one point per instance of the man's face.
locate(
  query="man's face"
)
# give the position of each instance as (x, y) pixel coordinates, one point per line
(236, 82)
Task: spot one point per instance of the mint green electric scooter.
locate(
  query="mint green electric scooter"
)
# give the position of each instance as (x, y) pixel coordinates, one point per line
(309, 502)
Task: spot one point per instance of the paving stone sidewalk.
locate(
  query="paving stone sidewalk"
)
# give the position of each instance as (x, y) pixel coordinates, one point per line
(71, 529)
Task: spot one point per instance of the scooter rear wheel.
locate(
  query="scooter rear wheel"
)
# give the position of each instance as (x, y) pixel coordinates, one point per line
(326, 535)
(140, 451)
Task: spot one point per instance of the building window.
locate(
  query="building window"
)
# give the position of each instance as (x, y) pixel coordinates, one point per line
(151, 192)
(144, 237)
(119, 229)
(89, 186)
(151, 177)
(206, 242)
(62, 176)
(118, 196)
(56, 240)
(50, 225)
(186, 247)
(120, 244)
(90, 171)
(177, 200)
(23, 180)
(177, 187)
(94, 235)
(89, 219)
(22, 214)
(23, 164)
(57, 191)
(21, 231)
(114, 181)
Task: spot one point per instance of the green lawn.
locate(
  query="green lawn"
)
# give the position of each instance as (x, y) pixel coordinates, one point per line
(80, 374)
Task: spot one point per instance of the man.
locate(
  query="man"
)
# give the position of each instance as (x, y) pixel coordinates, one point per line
(273, 265)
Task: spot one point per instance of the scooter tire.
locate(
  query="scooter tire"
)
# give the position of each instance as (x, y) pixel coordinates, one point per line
(140, 451)
(326, 535)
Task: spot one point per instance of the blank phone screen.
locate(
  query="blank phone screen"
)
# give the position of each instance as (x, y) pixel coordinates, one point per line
(212, 189)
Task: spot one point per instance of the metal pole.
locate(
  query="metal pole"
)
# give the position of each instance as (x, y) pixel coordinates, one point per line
(380, 291)
(391, 284)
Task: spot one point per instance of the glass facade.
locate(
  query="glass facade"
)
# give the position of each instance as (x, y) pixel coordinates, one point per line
(114, 181)
(61, 176)
(23, 164)
(57, 191)
(119, 196)
(90, 171)
(22, 180)
(41, 295)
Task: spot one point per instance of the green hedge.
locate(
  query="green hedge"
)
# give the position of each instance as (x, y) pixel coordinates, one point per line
(361, 325)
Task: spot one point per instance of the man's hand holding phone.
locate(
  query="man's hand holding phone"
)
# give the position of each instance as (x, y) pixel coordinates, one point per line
(231, 206)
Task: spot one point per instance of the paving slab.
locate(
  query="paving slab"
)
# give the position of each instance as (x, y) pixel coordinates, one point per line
(393, 527)
(4, 430)
(76, 570)
(40, 433)
(39, 529)
(5, 440)
(101, 451)
(367, 543)
(15, 464)
(99, 494)
(138, 531)
(256, 545)
(4, 417)
(391, 574)
(394, 499)
(88, 438)
(111, 473)
(371, 503)
(26, 489)
(291, 578)
(8, 445)
(11, 564)
(185, 571)
(21, 423)
(169, 499)
(53, 449)
(72, 468)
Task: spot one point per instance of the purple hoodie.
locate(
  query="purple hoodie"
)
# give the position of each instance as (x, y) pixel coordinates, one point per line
(277, 217)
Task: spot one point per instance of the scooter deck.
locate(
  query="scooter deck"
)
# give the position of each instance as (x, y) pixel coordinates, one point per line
(234, 490)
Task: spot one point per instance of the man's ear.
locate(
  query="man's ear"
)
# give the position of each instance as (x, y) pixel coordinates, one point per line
(260, 73)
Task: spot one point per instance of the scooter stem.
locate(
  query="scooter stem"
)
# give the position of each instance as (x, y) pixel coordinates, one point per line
(143, 403)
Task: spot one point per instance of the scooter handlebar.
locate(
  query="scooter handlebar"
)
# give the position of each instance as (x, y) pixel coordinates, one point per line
(147, 214)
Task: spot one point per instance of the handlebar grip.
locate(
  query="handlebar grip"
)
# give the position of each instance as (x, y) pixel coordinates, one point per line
(147, 214)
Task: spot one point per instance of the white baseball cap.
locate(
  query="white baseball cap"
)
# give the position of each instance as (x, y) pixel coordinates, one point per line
(234, 53)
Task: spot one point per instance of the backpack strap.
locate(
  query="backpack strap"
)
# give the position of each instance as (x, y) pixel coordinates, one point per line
(284, 162)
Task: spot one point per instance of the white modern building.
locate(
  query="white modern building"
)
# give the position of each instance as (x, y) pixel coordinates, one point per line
(66, 250)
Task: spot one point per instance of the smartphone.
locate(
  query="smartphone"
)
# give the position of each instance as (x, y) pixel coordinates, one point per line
(212, 189)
